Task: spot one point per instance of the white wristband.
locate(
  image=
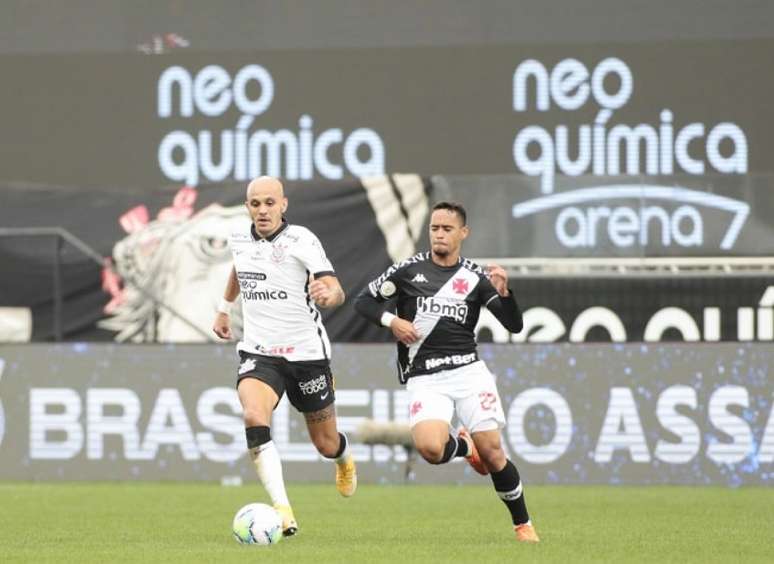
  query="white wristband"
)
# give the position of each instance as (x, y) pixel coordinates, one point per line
(387, 318)
(225, 306)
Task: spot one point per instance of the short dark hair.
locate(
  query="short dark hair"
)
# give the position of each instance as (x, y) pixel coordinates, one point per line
(453, 207)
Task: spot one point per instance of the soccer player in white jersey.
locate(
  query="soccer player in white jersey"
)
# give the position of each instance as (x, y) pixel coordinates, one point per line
(283, 275)
(439, 295)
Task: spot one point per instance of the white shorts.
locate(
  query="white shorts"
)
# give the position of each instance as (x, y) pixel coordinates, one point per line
(470, 391)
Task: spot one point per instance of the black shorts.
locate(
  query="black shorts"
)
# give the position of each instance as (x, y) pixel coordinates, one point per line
(309, 383)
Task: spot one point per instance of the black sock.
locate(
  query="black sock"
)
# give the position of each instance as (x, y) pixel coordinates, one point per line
(256, 436)
(507, 484)
(342, 445)
(454, 447)
(462, 447)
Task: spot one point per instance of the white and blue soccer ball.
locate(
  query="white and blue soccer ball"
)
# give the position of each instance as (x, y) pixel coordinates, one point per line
(257, 523)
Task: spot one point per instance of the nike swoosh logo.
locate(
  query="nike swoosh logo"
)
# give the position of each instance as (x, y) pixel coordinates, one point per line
(325, 395)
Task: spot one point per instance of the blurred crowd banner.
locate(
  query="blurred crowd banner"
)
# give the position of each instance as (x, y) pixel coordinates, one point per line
(606, 150)
(616, 216)
(577, 414)
(545, 111)
(633, 309)
(162, 257)
(162, 261)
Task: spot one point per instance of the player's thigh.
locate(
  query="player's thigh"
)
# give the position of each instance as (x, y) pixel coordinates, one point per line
(311, 391)
(481, 409)
(260, 385)
(310, 386)
(428, 403)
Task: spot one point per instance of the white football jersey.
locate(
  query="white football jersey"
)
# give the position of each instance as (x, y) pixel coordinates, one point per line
(280, 317)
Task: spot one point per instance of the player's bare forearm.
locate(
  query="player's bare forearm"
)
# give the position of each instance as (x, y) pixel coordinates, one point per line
(338, 297)
(222, 324)
(327, 292)
(232, 286)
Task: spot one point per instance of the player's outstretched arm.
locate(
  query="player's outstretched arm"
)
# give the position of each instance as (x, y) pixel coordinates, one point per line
(222, 324)
(507, 312)
(504, 308)
(326, 291)
(369, 307)
(373, 310)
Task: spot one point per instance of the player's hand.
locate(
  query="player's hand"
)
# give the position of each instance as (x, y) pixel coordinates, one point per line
(404, 331)
(222, 326)
(498, 278)
(322, 294)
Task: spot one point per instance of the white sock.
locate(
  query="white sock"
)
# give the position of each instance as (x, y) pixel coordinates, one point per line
(269, 468)
(345, 453)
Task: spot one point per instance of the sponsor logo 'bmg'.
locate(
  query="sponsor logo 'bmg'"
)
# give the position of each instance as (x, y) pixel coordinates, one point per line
(442, 308)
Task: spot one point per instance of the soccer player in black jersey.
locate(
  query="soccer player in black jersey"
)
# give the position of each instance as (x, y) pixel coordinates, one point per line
(439, 295)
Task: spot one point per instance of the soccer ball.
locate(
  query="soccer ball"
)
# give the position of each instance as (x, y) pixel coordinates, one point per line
(257, 523)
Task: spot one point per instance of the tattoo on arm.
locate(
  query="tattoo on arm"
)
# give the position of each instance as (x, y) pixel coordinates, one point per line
(320, 416)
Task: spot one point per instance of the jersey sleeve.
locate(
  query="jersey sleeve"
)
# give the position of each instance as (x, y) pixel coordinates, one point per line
(504, 308)
(370, 301)
(313, 257)
(486, 292)
(385, 286)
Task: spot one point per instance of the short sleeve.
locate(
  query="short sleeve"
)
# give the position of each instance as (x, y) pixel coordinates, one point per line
(312, 255)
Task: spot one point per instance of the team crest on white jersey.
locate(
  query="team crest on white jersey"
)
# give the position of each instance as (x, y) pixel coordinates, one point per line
(278, 252)
(247, 365)
(419, 278)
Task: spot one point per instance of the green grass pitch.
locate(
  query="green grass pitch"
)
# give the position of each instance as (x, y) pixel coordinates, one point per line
(136, 522)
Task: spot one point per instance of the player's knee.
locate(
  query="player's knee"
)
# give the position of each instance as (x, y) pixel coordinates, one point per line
(255, 418)
(431, 452)
(493, 456)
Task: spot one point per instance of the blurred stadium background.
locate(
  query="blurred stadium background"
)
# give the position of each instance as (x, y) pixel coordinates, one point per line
(614, 156)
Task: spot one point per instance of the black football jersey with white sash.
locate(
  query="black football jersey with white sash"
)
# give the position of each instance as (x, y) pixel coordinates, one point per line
(443, 303)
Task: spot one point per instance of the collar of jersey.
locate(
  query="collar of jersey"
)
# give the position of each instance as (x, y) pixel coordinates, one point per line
(442, 267)
(271, 237)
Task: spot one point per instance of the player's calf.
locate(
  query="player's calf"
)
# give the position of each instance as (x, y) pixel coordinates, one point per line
(472, 455)
(507, 484)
